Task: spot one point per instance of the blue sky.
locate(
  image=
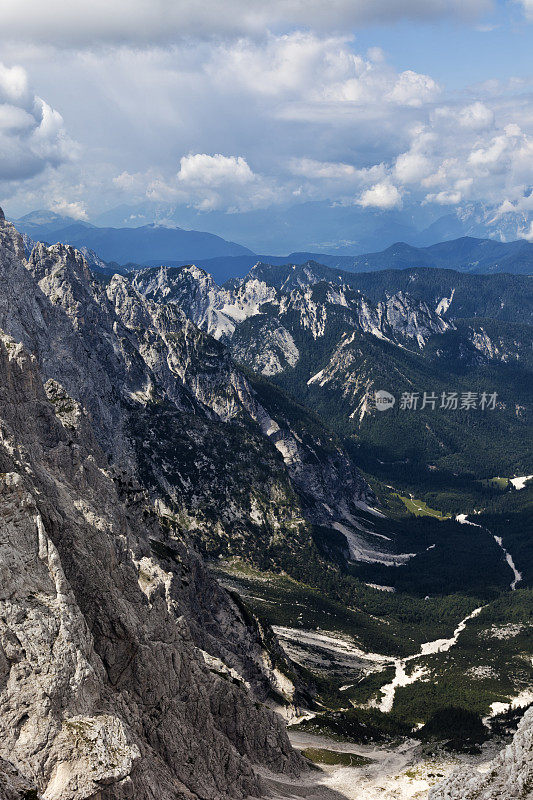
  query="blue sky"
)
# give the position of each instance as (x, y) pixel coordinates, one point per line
(247, 105)
(459, 55)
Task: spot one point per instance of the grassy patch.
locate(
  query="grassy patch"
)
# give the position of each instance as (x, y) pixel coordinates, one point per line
(319, 755)
(420, 509)
(500, 483)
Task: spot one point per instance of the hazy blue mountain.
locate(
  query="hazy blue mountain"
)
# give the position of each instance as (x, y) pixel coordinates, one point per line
(331, 227)
(468, 255)
(317, 226)
(129, 244)
(41, 223)
(465, 254)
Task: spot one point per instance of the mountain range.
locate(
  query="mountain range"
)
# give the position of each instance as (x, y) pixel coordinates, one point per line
(152, 245)
(128, 244)
(334, 339)
(326, 226)
(208, 525)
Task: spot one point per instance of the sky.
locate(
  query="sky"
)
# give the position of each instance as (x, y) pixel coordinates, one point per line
(243, 104)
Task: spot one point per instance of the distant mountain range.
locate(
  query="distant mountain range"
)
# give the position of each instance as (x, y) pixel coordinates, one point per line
(466, 254)
(332, 227)
(124, 245)
(156, 244)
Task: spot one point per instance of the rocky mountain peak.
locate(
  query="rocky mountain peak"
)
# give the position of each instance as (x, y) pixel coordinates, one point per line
(59, 260)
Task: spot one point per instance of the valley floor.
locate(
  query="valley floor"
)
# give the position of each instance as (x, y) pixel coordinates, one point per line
(404, 772)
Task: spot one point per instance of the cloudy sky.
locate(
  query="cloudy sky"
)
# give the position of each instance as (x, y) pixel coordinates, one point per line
(241, 104)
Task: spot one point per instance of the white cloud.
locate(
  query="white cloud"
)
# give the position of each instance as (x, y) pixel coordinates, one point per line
(75, 209)
(206, 182)
(32, 134)
(13, 118)
(310, 168)
(216, 181)
(411, 167)
(462, 154)
(477, 116)
(445, 198)
(305, 76)
(14, 85)
(413, 89)
(78, 22)
(382, 195)
(240, 124)
(218, 170)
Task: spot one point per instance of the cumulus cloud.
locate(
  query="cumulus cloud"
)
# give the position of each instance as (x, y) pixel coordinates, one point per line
(462, 154)
(206, 182)
(75, 209)
(476, 116)
(413, 89)
(32, 134)
(303, 76)
(383, 195)
(213, 171)
(444, 198)
(246, 123)
(412, 167)
(78, 22)
(214, 181)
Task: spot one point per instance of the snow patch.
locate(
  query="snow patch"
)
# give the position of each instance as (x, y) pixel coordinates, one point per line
(520, 483)
(508, 557)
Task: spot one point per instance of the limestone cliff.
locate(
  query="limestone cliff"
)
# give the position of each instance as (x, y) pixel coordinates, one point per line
(509, 776)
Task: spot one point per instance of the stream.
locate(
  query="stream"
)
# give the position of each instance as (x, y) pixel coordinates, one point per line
(517, 576)
(401, 678)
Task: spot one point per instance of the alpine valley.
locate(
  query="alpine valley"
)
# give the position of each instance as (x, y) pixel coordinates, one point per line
(226, 572)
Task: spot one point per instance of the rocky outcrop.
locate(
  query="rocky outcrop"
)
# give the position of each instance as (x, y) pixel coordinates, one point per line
(508, 777)
(13, 785)
(102, 689)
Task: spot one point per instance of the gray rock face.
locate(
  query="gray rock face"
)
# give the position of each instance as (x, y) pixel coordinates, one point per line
(303, 302)
(13, 785)
(102, 690)
(509, 777)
